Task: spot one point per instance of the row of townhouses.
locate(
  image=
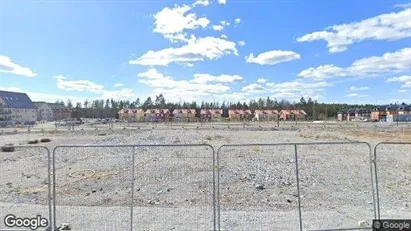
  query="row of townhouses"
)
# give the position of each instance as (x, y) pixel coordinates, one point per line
(389, 113)
(16, 107)
(208, 115)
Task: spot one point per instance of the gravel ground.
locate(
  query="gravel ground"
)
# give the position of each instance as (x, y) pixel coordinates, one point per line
(173, 187)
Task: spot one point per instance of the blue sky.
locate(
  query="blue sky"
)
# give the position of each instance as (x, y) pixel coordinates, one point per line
(332, 51)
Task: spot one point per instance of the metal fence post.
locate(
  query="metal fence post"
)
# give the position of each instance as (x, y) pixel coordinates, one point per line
(298, 187)
(132, 190)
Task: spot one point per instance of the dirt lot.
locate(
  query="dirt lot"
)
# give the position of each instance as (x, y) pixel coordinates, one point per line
(173, 186)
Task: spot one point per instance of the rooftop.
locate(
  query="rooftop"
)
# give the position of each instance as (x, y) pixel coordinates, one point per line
(17, 100)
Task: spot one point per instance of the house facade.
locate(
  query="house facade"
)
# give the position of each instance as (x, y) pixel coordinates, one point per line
(17, 107)
(379, 113)
(131, 114)
(293, 115)
(358, 114)
(239, 115)
(187, 115)
(266, 115)
(157, 115)
(60, 112)
(44, 111)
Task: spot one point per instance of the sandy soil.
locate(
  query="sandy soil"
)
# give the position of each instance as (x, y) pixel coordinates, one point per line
(173, 186)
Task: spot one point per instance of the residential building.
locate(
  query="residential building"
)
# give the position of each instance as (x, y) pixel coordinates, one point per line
(157, 115)
(187, 115)
(342, 115)
(266, 115)
(293, 115)
(60, 112)
(216, 114)
(131, 114)
(358, 114)
(17, 107)
(211, 114)
(235, 115)
(44, 111)
(379, 113)
(52, 111)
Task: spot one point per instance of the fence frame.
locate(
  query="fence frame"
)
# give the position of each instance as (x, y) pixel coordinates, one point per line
(371, 161)
(133, 177)
(376, 170)
(49, 191)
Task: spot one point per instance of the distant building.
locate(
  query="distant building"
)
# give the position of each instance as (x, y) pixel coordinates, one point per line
(52, 111)
(187, 115)
(236, 115)
(293, 115)
(211, 114)
(342, 115)
(157, 115)
(131, 114)
(17, 107)
(358, 114)
(379, 113)
(266, 115)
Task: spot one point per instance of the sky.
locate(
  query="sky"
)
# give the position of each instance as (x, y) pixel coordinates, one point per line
(347, 51)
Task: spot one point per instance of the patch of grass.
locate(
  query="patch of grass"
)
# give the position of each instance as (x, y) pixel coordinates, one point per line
(33, 142)
(256, 149)
(208, 138)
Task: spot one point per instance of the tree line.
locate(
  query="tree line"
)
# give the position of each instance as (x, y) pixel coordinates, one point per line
(109, 108)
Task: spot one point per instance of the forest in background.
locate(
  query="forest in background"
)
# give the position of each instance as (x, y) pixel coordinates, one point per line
(109, 108)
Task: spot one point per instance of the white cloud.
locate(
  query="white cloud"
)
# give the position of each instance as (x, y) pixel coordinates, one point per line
(123, 94)
(88, 86)
(323, 71)
(221, 26)
(241, 43)
(172, 22)
(353, 88)
(77, 85)
(8, 66)
(261, 80)
(390, 62)
(237, 21)
(225, 23)
(202, 3)
(389, 27)
(206, 78)
(222, 2)
(272, 57)
(402, 91)
(176, 90)
(197, 49)
(253, 88)
(355, 95)
(405, 79)
(218, 27)
(294, 90)
(405, 5)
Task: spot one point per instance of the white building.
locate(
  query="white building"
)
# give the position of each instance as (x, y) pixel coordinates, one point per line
(16, 107)
(44, 111)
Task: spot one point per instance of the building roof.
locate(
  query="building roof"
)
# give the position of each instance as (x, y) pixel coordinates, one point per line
(184, 111)
(56, 106)
(17, 100)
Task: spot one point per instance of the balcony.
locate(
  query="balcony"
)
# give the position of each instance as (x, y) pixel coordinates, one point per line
(5, 111)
